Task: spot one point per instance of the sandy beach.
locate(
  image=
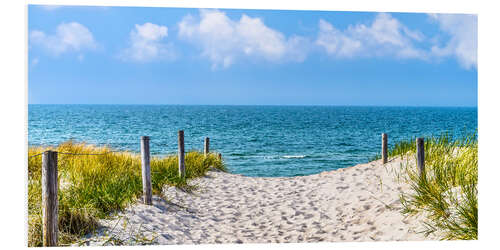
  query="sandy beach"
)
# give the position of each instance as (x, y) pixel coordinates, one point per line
(359, 203)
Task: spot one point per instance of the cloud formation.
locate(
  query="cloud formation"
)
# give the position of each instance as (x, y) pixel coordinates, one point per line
(223, 40)
(68, 37)
(386, 36)
(462, 43)
(146, 44)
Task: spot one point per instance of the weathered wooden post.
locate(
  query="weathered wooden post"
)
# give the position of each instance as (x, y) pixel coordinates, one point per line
(50, 203)
(182, 166)
(421, 156)
(207, 146)
(384, 148)
(146, 171)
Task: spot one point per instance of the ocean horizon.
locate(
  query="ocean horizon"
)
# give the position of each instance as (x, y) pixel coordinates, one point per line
(284, 105)
(254, 140)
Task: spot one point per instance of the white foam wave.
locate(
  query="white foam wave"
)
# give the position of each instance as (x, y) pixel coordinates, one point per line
(294, 156)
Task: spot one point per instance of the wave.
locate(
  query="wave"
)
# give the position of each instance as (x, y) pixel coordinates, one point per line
(294, 156)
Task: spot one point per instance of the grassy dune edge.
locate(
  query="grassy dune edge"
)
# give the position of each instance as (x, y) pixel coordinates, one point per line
(447, 193)
(92, 187)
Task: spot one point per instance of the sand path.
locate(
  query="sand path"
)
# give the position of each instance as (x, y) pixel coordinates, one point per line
(359, 203)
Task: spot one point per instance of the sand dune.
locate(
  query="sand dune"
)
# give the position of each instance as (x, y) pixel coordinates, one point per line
(360, 203)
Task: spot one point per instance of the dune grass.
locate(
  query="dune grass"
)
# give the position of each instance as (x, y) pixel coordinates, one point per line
(92, 187)
(447, 193)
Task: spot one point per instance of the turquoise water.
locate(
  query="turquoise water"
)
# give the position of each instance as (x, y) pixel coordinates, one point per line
(254, 140)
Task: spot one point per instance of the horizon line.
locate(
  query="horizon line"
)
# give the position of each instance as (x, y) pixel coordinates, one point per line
(322, 105)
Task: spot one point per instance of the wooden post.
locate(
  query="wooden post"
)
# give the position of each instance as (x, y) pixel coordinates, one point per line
(207, 145)
(421, 156)
(384, 148)
(146, 171)
(50, 203)
(219, 156)
(182, 166)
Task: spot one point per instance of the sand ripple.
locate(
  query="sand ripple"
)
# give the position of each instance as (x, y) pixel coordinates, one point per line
(359, 203)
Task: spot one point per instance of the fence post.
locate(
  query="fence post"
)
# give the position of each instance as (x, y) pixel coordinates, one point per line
(182, 166)
(146, 170)
(50, 203)
(421, 156)
(384, 148)
(207, 146)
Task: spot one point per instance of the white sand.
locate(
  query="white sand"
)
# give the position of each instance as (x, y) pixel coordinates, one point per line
(359, 203)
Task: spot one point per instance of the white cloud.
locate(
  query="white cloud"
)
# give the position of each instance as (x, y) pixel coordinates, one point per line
(462, 44)
(68, 37)
(223, 40)
(385, 36)
(146, 44)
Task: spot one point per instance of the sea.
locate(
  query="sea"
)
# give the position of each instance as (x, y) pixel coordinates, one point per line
(268, 141)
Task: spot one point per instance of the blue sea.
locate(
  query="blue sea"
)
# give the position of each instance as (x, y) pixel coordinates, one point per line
(253, 140)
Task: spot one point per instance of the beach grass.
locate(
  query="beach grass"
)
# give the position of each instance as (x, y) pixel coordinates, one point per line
(447, 192)
(93, 187)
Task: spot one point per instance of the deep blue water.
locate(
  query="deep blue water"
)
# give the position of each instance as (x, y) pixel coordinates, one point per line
(253, 140)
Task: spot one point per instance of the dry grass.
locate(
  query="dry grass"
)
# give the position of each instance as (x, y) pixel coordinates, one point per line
(447, 192)
(94, 186)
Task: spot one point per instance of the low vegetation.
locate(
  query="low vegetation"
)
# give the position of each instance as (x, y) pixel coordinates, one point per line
(92, 187)
(447, 193)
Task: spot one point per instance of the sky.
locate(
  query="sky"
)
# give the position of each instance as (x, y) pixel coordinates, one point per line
(143, 55)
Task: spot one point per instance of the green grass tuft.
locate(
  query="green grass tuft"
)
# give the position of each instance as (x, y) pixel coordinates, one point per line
(447, 193)
(93, 187)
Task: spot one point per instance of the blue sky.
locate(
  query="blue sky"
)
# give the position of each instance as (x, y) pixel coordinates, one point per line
(139, 55)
